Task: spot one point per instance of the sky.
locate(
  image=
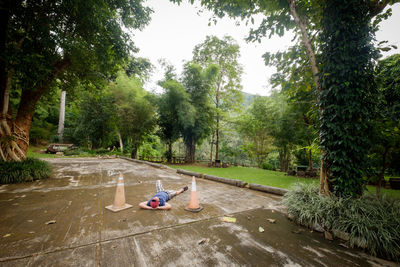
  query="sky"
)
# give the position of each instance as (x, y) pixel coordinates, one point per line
(175, 30)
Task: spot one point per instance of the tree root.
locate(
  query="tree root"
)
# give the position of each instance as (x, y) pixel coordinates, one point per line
(9, 148)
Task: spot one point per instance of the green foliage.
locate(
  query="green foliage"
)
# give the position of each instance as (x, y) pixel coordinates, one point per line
(134, 112)
(88, 34)
(151, 147)
(198, 83)
(255, 127)
(29, 170)
(139, 68)
(373, 223)
(267, 166)
(386, 131)
(225, 90)
(348, 93)
(175, 111)
(96, 123)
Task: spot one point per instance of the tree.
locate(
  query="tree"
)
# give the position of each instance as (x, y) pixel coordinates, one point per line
(43, 43)
(198, 83)
(255, 127)
(284, 15)
(140, 68)
(96, 123)
(135, 114)
(175, 113)
(386, 130)
(347, 98)
(226, 90)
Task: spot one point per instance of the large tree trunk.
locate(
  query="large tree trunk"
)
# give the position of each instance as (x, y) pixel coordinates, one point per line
(310, 161)
(190, 151)
(217, 128)
(314, 67)
(14, 135)
(169, 155)
(212, 145)
(134, 152)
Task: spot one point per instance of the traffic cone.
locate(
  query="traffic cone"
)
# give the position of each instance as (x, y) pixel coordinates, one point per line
(119, 200)
(194, 202)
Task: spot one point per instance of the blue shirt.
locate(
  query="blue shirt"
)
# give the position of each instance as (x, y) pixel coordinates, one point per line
(162, 196)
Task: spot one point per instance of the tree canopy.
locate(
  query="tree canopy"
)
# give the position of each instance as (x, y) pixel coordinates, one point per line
(47, 42)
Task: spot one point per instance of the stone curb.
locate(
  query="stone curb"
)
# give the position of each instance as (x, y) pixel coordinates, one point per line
(234, 182)
(239, 183)
(195, 174)
(156, 165)
(269, 189)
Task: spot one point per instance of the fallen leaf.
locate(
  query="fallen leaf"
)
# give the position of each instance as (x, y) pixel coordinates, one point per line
(260, 229)
(50, 222)
(298, 231)
(29, 221)
(204, 240)
(328, 235)
(228, 219)
(271, 220)
(6, 235)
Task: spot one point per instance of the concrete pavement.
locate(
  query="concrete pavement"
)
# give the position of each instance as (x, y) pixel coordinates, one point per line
(62, 221)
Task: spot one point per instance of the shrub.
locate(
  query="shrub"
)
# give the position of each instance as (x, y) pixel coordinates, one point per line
(370, 222)
(75, 152)
(101, 151)
(18, 172)
(267, 166)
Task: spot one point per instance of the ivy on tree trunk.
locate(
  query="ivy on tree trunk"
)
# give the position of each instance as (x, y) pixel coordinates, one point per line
(346, 99)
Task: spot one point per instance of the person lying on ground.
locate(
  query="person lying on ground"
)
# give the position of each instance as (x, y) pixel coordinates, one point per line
(159, 200)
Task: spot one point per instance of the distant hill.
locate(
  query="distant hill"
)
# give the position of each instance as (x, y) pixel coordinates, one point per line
(248, 98)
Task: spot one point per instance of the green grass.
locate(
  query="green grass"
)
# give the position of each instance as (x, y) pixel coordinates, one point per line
(25, 171)
(250, 175)
(266, 177)
(33, 152)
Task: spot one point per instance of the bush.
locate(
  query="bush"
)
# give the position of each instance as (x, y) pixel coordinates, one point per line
(267, 166)
(370, 222)
(76, 152)
(18, 172)
(100, 151)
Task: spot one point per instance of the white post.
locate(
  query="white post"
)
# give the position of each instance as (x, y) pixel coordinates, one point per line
(62, 116)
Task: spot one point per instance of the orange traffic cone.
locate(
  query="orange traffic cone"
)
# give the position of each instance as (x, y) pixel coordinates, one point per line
(119, 200)
(194, 202)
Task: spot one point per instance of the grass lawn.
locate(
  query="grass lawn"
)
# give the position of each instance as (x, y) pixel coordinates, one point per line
(34, 152)
(250, 175)
(265, 177)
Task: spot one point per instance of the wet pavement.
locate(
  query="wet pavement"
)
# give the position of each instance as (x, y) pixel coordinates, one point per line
(62, 221)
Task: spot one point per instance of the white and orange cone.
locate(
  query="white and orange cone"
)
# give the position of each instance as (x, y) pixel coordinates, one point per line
(119, 200)
(194, 202)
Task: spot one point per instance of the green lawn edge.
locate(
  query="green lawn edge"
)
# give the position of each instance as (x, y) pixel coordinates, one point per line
(267, 177)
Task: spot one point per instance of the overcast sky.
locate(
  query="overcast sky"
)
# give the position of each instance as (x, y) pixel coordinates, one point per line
(175, 30)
